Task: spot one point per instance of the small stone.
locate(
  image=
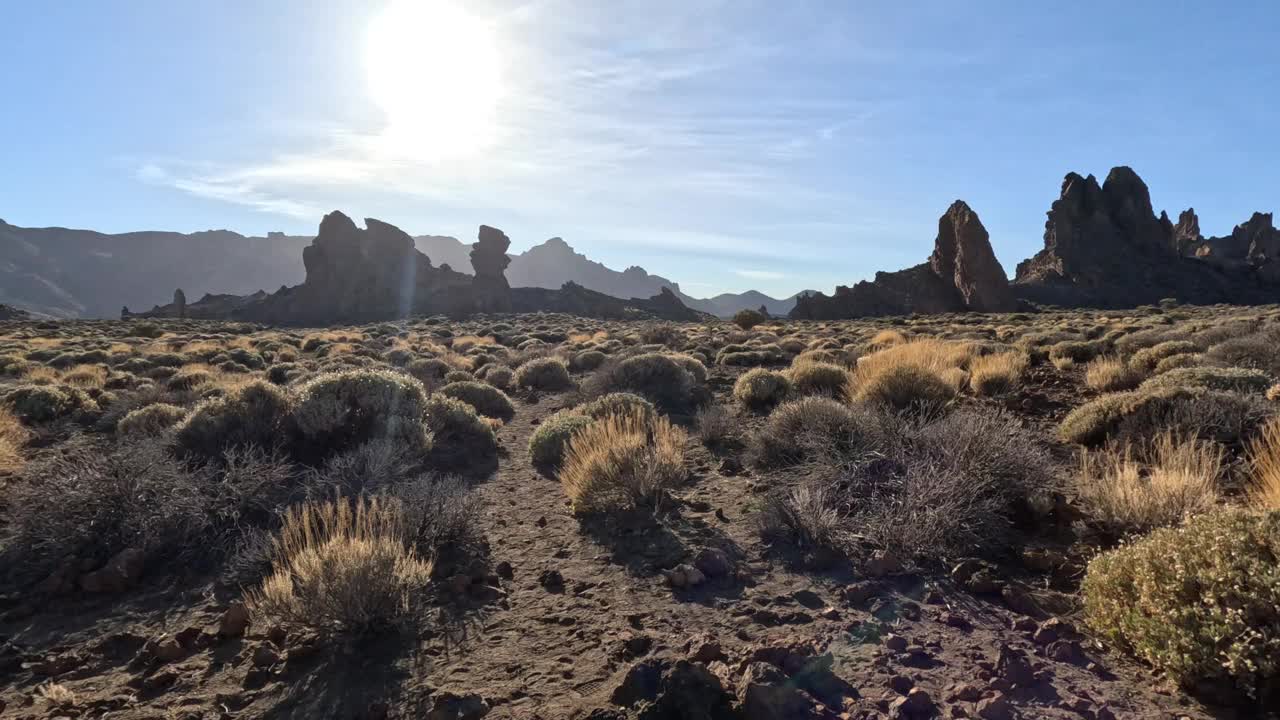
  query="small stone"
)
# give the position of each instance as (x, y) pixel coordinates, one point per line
(166, 649)
(265, 656)
(705, 650)
(957, 621)
(808, 598)
(896, 643)
(856, 594)
(234, 621)
(451, 706)
(551, 581)
(966, 692)
(685, 576)
(829, 614)
(505, 571)
(916, 704)
(1019, 600)
(883, 563)
(995, 708)
(713, 562)
(901, 684)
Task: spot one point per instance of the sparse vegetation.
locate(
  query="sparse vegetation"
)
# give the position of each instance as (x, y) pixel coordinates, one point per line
(1197, 602)
(759, 389)
(622, 461)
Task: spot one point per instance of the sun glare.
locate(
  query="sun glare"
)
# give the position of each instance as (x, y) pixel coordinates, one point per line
(433, 69)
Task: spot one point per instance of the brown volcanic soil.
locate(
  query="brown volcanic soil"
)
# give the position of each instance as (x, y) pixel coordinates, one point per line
(586, 602)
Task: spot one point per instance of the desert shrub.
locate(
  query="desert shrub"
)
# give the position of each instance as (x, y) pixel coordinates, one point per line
(546, 373)
(1264, 464)
(804, 516)
(1075, 350)
(587, 360)
(44, 403)
(833, 357)
(947, 488)
(1147, 359)
(486, 399)
(715, 425)
(441, 519)
(86, 376)
(428, 369)
(662, 334)
(657, 377)
(818, 378)
(499, 376)
(691, 364)
(1257, 351)
(12, 438)
(997, 373)
(462, 440)
(887, 338)
(619, 403)
(751, 355)
(902, 388)
(1174, 362)
(1234, 379)
(1110, 373)
(342, 566)
(457, 376)
(1198, 602)
(1144, 413)
(284, 373)
(548, 443)
(622, 461)
(150, 420)
(747, 318)
(190, 377)
(146, 330)
(1123, 494)
(343, 409)
(759, 389)
(364, 469)
(812, 426)
(254, 414)
(91, 503)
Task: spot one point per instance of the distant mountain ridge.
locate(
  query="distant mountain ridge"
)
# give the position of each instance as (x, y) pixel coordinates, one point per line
(83, 273)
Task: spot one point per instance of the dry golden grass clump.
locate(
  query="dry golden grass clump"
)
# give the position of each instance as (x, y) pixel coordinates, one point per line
(997, 373)
(342, 566)
(1159, 483)
(1198, 602)
(1144, 413)
(901, 387)
(760, 389)
(12, 437)
(546, 373)
(621, 462)
(150, 420)
(1264, 460)
(810, 377)
(1111, 373)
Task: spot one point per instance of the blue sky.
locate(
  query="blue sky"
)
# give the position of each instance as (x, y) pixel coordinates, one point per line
(724, 145)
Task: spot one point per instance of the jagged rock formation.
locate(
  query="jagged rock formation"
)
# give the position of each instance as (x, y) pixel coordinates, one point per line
(1105, 247)
(489, 259)
(961, 275)
(180, 303)
(1254, 243)
(356, 276)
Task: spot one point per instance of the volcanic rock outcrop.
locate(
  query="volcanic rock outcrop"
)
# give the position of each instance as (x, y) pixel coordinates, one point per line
(961, 275)
(489, 259)
(1105, 247)
(356, 276)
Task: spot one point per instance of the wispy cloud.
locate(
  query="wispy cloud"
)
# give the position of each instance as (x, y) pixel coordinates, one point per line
(229, 190)
(759, 274)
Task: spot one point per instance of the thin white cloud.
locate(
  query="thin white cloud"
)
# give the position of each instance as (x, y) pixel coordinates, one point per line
(759, 274)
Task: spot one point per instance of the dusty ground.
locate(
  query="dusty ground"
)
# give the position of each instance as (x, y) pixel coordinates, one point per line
(570, 609)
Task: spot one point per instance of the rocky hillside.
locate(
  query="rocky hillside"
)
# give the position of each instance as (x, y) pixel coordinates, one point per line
(376, 274)
(83, 273)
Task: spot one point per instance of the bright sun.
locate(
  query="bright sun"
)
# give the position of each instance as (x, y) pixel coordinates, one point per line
(433, 69)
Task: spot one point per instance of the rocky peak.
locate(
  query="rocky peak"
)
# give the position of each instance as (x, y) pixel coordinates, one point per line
(1186, 234)
(962, 254)
(489, 260)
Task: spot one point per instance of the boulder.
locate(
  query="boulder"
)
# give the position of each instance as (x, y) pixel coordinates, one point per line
(962, 252)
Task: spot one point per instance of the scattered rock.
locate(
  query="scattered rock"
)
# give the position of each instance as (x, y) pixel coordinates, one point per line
(917, 704)
(1019, 600)
(451, 706)
(896, 643)
(995, 708)
(551, 581)
(713, 563)
(265, 656)
(234, 621)
(767, 694)
(684, 577)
